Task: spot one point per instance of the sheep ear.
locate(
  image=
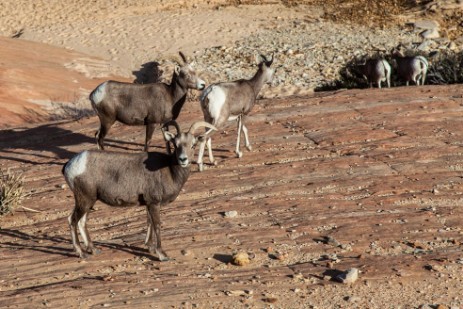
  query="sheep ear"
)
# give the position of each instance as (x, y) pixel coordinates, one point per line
(168, 136)
(177, 70)
(259, 59)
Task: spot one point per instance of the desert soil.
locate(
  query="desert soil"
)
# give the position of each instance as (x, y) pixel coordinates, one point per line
(367, 179)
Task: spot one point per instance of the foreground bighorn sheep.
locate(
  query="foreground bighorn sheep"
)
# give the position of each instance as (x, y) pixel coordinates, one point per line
(226, 101)
(376, 71)
(123, 179)
(411, 68)
(148, 104)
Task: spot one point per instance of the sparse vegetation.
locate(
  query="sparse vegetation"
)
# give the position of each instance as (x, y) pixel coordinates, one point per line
(446, 68)
(76, 110)
(11, 191)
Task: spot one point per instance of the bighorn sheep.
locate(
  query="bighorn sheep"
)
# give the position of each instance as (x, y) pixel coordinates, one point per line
(226, 101)
(412, 68)
(376, 71)
(123, 179)
(148, 104)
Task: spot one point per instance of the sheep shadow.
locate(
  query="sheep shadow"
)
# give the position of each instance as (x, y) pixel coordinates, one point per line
(44, 138)
(41, 243)
(148, 73)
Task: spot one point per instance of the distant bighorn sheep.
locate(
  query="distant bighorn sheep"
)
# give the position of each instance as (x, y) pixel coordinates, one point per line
(123, 179)
(226, 101)
(411, 68)
(148, 104)
(376, 71)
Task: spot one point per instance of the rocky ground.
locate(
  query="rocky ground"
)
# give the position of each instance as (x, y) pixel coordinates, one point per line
(312, 40)
(365, 179)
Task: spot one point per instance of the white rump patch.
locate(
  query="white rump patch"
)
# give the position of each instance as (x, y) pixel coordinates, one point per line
(216, 97)
(99, 93)
(75, 167)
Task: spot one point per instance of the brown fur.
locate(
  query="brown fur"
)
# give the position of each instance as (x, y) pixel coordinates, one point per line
(240, 97)
(123, 179)
(148, 104)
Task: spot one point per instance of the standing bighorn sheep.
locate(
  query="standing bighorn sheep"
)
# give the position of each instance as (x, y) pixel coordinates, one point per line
(226, 101)
(376, 71)
(148, 104)
(123, 179)
(411, 68)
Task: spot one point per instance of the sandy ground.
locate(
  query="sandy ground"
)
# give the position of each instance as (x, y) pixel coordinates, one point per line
(131, 35)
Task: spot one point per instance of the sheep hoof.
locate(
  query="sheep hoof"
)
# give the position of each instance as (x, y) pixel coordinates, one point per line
(164, 259)
(83, 255)
(239, 154)
(200, 167)
(214, 162)
(249, 147)
(162, 256)
(94, 251)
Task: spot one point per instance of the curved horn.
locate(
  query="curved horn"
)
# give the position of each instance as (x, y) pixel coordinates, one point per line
(183, 57)
(199, 124)
(172, 123)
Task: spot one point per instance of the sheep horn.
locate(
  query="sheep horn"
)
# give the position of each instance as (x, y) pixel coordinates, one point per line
(183, 57)
(198, 124)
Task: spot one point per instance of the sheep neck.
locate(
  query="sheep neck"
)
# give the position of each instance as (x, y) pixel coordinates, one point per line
(257, 81)
(177, 89)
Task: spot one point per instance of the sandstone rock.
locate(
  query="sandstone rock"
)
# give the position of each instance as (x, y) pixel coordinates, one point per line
(426, 24)
(230, 214)
(430, 34)
(349, 277)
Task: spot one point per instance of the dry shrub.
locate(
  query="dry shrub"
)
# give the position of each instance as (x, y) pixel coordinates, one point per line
(11, 191)
(446, 68)
(76, 110)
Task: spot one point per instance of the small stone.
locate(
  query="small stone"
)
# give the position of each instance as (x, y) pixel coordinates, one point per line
(185, 252)
(296, 290)
(241, 259)
(281, 256)
(350, 276)
(230, 214)
(430, 34)
(426, 24)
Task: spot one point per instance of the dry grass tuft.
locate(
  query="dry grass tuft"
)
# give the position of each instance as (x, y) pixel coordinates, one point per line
(11, 191)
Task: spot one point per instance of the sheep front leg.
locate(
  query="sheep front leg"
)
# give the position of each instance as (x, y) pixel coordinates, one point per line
(154, 212)
(246, 137)
(199, 161)
(239, 154)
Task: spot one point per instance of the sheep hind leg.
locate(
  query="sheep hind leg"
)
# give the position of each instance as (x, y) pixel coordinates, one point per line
(154, 213)
(82, 224)
(239, 154)
(73, 220)
(102, 132)
(149, 135)
(246, 138)
(209, 151)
